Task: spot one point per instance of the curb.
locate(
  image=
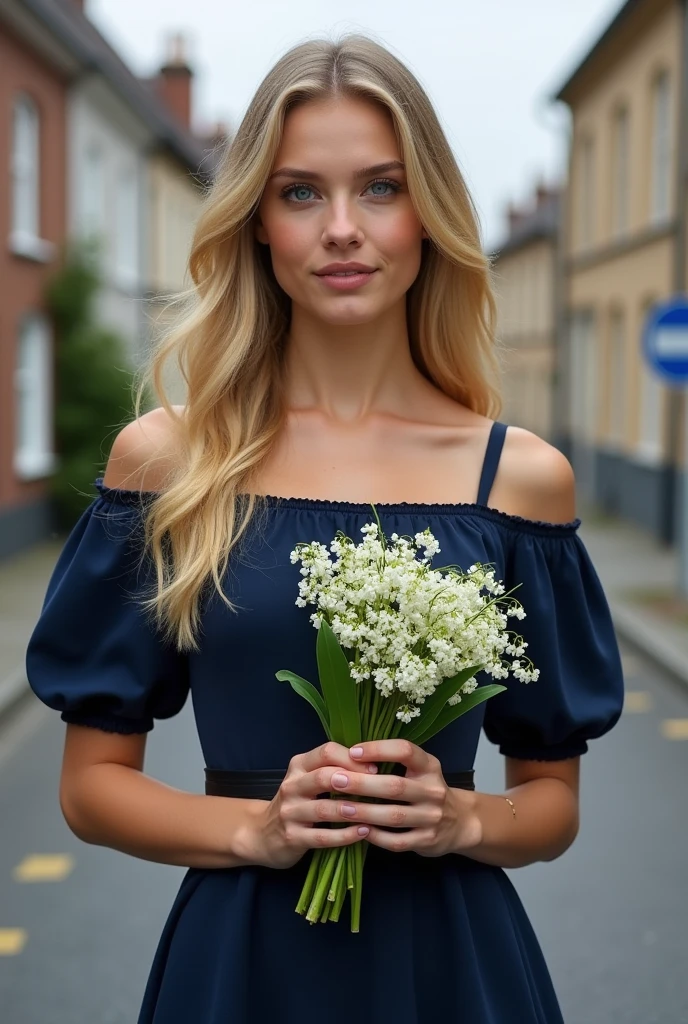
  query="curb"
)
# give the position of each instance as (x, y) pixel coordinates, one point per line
(638, 633)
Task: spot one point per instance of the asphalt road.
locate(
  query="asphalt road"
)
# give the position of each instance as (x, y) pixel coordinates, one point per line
(612, 914)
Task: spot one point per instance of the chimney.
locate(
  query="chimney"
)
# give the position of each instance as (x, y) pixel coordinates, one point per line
(173, 83)
(515, 216)
(543, 194)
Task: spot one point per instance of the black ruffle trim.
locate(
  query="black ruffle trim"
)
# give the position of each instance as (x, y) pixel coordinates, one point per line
(559, 753)
(121, 496)
(108, 723)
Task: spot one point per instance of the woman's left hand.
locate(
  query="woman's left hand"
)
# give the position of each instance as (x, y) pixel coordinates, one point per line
(440, 819)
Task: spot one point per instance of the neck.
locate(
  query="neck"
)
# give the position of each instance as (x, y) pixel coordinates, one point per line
(350, 372)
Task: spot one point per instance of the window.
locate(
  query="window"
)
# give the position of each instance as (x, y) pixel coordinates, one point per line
(126, 247)
(583, 365)
(661, 148)
(25, 220)
(650, 441)
(617, 379)
(621, 181)
(25, 177)
(92, 193)
(583, 409)
(586, 213)
(33, 400)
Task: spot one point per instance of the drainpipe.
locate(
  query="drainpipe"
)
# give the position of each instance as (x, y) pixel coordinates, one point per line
(675, 512)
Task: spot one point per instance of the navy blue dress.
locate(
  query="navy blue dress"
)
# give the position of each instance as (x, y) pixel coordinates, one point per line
(442, 939)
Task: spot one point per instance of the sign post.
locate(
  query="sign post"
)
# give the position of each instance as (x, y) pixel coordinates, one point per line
(665, 346)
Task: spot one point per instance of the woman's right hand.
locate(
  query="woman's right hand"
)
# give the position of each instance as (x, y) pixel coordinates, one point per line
(283, 830)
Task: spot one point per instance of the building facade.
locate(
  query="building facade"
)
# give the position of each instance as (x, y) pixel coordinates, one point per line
(524, 280)
(86, 150)
(34, 76)
(108, 163)
(622, 232)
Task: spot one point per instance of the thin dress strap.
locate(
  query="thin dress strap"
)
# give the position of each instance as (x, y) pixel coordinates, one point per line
(495, 443)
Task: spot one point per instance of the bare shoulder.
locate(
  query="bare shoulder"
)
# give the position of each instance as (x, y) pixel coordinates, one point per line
(144, 452)
(535, 480)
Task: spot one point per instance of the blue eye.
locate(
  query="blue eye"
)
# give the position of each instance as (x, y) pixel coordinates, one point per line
(384, 188)
(295, 193)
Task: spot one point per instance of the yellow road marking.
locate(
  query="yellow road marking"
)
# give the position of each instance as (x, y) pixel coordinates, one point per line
(675, 728)
(12, 941)
(44, 868)
(637, 701)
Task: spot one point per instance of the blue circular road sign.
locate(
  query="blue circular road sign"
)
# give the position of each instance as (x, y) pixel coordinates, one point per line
(665, 339)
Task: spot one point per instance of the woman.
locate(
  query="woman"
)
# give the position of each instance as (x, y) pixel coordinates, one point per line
(340, 351)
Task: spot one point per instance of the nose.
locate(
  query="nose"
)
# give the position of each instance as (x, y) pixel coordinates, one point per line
(342, 227)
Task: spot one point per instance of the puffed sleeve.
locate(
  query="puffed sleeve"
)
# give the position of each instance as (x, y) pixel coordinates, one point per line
(571, 639)
(94, 654)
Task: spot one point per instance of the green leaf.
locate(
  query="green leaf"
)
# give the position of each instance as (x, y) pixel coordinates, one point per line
(453, 711)
(309, 693)
(338, 688)
(435, 702)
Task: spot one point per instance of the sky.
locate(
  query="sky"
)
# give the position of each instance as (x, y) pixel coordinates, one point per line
(490, 67)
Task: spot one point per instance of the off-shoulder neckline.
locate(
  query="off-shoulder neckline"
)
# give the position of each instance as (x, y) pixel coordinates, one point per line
(123, 496)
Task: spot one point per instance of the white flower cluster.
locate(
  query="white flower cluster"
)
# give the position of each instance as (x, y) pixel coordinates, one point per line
(409, 625)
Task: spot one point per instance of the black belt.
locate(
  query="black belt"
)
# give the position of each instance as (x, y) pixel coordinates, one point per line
(264, 783)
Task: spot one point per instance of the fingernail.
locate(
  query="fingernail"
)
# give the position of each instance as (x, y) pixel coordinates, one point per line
(356, 751)
(372, 768)
(363, 831)
(348, 809)
(340, 780)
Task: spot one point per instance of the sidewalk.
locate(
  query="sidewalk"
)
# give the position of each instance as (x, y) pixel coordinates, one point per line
(639, 577)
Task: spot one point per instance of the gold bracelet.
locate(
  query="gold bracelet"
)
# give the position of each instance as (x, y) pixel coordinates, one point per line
(511, 805)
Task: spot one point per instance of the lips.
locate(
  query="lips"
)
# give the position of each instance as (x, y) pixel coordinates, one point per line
(345, 277)
(338, 269)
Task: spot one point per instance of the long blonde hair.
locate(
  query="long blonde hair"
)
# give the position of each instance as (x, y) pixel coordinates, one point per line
(229, 343)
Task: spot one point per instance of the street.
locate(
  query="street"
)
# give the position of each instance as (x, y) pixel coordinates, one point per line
(78, 929)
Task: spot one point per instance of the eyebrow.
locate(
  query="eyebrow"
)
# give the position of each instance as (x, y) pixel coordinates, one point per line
(364, 172)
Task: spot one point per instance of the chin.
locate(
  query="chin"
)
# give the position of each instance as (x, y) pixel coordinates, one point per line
(348, 315)
(350, 320)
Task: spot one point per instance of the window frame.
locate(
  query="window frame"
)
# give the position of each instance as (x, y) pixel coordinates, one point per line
(33, 382)
(661, 168)
(25, 181)
(126, 240)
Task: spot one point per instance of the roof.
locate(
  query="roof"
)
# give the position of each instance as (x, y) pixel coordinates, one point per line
(542, 222)
(619, 18)
(66, 20)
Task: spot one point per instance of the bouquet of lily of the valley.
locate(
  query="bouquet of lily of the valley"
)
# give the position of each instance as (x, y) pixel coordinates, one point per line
(398, 648)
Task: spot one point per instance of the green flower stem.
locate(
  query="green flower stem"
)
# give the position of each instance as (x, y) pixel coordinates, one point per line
(343, 888)
(374, 712)
(356, 893)
(328, 865)
(389, 719)
(338, 874)
(309, 884)
(396, 729)
(375, 725)
(379, 731)
(365, 705)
